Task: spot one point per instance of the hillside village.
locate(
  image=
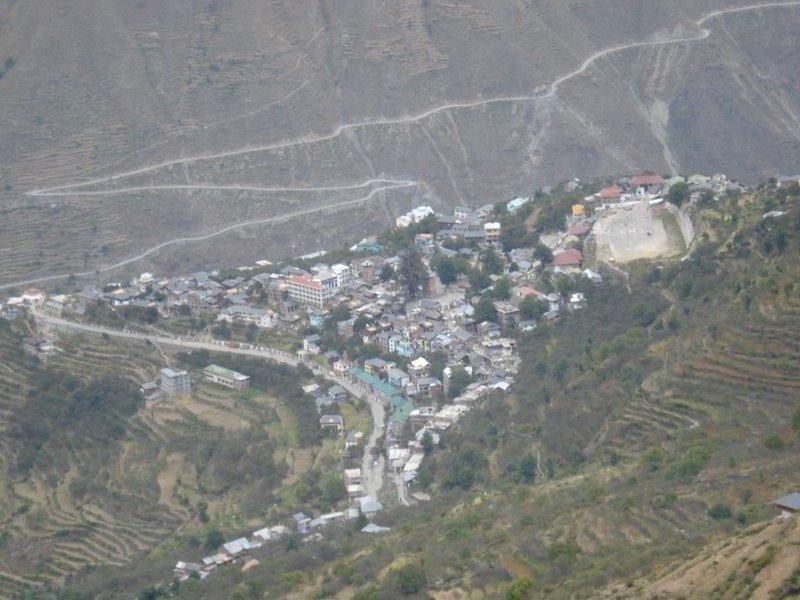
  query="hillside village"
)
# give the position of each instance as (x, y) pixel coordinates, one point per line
(423, 320)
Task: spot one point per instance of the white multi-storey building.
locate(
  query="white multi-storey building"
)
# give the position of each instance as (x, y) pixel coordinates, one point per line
(413, 216)
(315, 291)
(174, 383)
(342, 274)
(491, 232)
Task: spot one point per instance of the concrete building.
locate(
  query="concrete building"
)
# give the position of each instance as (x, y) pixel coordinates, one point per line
(507, 314)
(428, 386)
(342, 274)
(246, 314)
(462, 212)
(226, 377)
(174, 383)
(333, 422)
(38, 346)
(236, 548)
(398, 378)
(419, 367)
(316, 291)
(491, 232)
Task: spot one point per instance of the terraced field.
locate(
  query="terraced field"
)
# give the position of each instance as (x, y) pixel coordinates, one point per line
(644, 423)
(82, 507)
(338, 97)
(751, 564)
(745, 380)
(13, 386)
(54, 531)
(736, 387)
(90, 356)
(749, 374)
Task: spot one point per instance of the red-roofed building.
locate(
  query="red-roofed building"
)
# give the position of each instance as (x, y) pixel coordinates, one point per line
(646, 181)
(525, 291)
(578, 229)
(568, 258)
(612, 192)
(309, 290)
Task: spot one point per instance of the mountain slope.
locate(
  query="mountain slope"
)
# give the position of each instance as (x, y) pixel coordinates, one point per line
(760, 563)
(462, 101)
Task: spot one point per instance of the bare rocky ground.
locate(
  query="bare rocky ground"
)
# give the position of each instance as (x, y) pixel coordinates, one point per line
(469, 102)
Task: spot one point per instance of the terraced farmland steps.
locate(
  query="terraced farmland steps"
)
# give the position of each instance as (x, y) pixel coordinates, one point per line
(59, 533)
(111, 526)
(644, 422)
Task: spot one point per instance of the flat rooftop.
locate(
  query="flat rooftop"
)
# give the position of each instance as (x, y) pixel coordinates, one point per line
(225, 372)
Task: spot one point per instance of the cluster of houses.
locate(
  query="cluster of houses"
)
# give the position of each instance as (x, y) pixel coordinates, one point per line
(415, 215)
(238, 550)
(16, 305)
(381, 315)
(632, 189)
(244, 550)
(292, 298)
(473, 225)
(441, 320)
(266, 299)
(653, 187)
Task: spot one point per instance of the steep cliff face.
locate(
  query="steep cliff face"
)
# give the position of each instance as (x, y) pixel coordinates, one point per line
(464, 101)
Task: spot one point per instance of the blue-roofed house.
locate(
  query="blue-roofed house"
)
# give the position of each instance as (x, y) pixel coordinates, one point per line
(514, 205)
(404, 348)
(316, 318)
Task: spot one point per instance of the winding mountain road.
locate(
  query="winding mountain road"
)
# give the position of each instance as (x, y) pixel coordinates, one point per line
(542, 92)
(231, 188)
(208, 236)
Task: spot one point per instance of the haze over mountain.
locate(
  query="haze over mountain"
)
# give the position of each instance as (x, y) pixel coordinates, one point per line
(364, 108)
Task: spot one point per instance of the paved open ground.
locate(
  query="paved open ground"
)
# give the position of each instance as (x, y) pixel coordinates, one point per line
(633, 232)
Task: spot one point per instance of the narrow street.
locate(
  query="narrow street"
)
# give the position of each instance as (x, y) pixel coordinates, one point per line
(402, 492)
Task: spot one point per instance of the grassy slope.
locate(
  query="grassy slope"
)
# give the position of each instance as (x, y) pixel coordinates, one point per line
(758, 562)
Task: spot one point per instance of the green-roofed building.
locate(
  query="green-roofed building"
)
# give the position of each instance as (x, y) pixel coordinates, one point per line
(368, 247)
(388, 393)
(514, 205)
(402, 413)
(226, 377)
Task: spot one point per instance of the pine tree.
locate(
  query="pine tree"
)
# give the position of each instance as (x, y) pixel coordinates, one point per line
(412, 272)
